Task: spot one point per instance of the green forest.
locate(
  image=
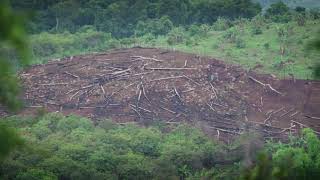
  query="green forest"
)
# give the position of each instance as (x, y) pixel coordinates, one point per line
(237, 31)
(274, 37)
(59, 147)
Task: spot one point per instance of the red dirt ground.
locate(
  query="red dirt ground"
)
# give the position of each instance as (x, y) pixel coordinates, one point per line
(146, 85)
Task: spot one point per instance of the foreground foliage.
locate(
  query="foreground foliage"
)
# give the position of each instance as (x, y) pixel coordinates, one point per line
(73, 148)
(12, 38)
(59, 147)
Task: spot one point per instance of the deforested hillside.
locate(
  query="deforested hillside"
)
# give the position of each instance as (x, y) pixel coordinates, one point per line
(145, 85)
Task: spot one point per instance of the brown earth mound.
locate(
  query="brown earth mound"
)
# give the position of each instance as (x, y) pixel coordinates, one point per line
(146, 85)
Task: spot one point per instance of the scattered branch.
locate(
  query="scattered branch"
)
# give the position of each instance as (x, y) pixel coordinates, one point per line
(294, 114)
(175, 90)
(169, 69)
(211, 107)
(54, 84)
(103, 91)
(225, 130)
(265, 85)
(191, 80)
(145, 58)
(166, 78)
(75, 76)
(312, 117)
(185, 63)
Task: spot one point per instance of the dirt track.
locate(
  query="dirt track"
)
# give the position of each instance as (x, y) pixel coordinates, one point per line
(146, 85)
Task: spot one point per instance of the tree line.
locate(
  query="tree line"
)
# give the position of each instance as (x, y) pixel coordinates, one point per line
(120, 17)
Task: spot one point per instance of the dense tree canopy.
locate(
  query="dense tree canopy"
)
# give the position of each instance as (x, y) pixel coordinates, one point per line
(119, 17)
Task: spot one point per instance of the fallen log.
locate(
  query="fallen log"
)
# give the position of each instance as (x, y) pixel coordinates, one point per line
(120, 72)
(169, 69)
(305, 126)
(213, 90)
(224, 130)
(138, 107)
(166, 78)
(54, 84)
(175, 90)
(75, 76)
(312, 117)
(103, 91)
(294, 114)
(192, 80)
(211, 107)
(168, 110)
(290, 110)
(145, 58)
(265, 85)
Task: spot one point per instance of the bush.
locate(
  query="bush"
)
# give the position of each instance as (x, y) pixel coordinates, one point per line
(279, 12)
(221, 24)
(315, 13)
(240, 43)
(257, 23)
(300, 19)
(259, 20)
(231, 35)
(278, 8)
(156, 27)
(127, 42)
(199, 30)
(176, 36)
(256, 30)
(90, 39)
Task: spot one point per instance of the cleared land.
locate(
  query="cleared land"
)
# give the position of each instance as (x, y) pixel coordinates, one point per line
(145, 85)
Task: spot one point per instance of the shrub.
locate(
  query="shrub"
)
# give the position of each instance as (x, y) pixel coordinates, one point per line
(221, 24)
(300, 9)
(240, 43)
(215, 46)
(199, 30)
(279, 12)
(127, 42)
(278, 8)
(176, 36)
(300, 19)
(256, 30)
(156, 27)
(231, 35)
(315, 13)
(259, 20)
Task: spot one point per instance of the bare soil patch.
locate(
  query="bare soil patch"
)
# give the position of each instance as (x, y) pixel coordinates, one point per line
(145, 85)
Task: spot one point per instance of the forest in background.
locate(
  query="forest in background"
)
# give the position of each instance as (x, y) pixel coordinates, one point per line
(236, 31)
(53, 146)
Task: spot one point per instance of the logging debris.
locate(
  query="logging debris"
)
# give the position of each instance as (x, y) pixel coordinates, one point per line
(145, 85)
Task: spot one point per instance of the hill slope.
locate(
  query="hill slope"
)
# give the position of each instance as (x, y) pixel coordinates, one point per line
(148, 85)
